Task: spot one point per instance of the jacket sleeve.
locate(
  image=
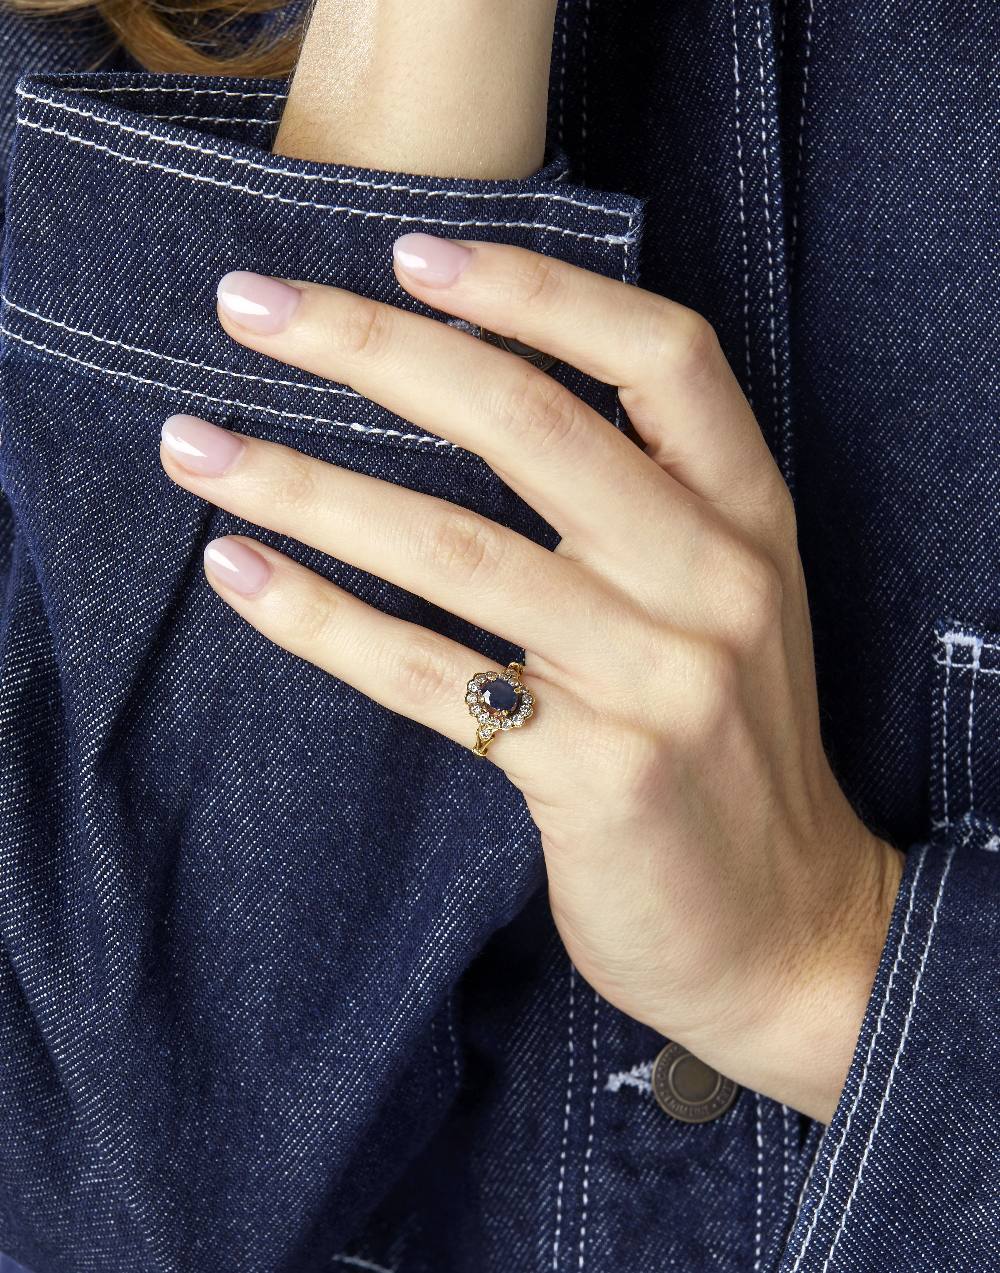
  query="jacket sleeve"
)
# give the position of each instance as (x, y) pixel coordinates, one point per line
(48, 44)
(129, 195)
(178, 169)
(905, 1175)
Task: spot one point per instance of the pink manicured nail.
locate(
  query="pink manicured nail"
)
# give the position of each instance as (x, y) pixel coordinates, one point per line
(257, 302)
(434, 261)
(236, 565)
(201, 447)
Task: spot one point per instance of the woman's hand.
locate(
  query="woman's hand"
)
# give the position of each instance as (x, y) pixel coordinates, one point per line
(706, 872)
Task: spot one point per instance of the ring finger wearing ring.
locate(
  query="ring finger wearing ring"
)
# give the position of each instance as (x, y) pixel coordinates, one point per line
(402, 665)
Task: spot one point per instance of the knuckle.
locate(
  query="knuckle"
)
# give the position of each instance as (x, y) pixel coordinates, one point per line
(757, 599)
(463, 547)
(292, 488)
(711, 681)
(420, 675)
(537, 279)
(310, 615)
(540, 409)
(782, 515)
(361, 329)
(684, 343)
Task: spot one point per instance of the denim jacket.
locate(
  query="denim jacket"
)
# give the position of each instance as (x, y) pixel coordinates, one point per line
(279, 988)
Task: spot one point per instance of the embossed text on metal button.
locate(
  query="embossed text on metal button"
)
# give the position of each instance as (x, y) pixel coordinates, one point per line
(688, 1089)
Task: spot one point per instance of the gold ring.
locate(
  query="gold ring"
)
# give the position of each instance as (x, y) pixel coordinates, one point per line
(498, 701)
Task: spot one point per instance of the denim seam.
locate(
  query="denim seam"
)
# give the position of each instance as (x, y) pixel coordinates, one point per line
(566, 1121)
(784, 23)
(216, 119)
(899, 1052)
(591, 1125)
(742, 203)
(963, 639)
(320, 207)
(968, 667)
(766, 160)
(807, 1181)
(786, 1141)
(172, 90)
(356, 1262)
(347, 425)
(759, 1205)
(563, 39)
(584, 53)
(326, 178)
(862, 1083)
(972, 718)
(438, 1068)
(946, 806)
(800, 146)
(339, 391)
(452, 1038)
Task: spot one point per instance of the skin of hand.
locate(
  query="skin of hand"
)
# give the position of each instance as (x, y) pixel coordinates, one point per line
(705, 870)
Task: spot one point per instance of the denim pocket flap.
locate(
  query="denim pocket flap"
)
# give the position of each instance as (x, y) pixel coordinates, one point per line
(966, 723)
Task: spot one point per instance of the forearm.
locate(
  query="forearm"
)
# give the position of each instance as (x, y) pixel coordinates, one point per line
(453, 88)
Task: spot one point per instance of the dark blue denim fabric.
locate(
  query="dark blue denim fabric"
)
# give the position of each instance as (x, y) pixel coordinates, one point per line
(278, 984)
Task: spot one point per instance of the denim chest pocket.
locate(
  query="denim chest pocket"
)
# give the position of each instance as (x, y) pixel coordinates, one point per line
(965, 713)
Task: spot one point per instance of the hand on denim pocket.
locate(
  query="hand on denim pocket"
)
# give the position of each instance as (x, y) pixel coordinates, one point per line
(706, 871)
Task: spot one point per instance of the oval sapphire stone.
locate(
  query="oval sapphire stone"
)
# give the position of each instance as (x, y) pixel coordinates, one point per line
(501, 696)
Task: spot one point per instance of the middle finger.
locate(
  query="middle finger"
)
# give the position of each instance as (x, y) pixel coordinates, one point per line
(448, 554)
(559, 454)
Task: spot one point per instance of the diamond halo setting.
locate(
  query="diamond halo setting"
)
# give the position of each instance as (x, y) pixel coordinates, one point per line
(499, 702)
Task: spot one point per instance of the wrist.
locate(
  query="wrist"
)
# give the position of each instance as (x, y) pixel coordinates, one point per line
(805, 1057)
(796, 1040)
(453, 88)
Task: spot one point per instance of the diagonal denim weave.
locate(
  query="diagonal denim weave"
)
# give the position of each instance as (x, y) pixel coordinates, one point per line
(279, 988)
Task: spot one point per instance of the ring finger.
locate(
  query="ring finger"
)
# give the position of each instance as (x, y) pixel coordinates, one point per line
(401, 665)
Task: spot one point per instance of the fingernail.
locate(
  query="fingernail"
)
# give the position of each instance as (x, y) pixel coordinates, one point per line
(257, 302)
(236, 565)
(435, 261)
(201, 447)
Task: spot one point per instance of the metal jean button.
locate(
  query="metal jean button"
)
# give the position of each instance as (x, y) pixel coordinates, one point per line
(688, 1089)
(536, 356)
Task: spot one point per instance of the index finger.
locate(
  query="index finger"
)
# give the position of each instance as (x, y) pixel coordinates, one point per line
(672, 375)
